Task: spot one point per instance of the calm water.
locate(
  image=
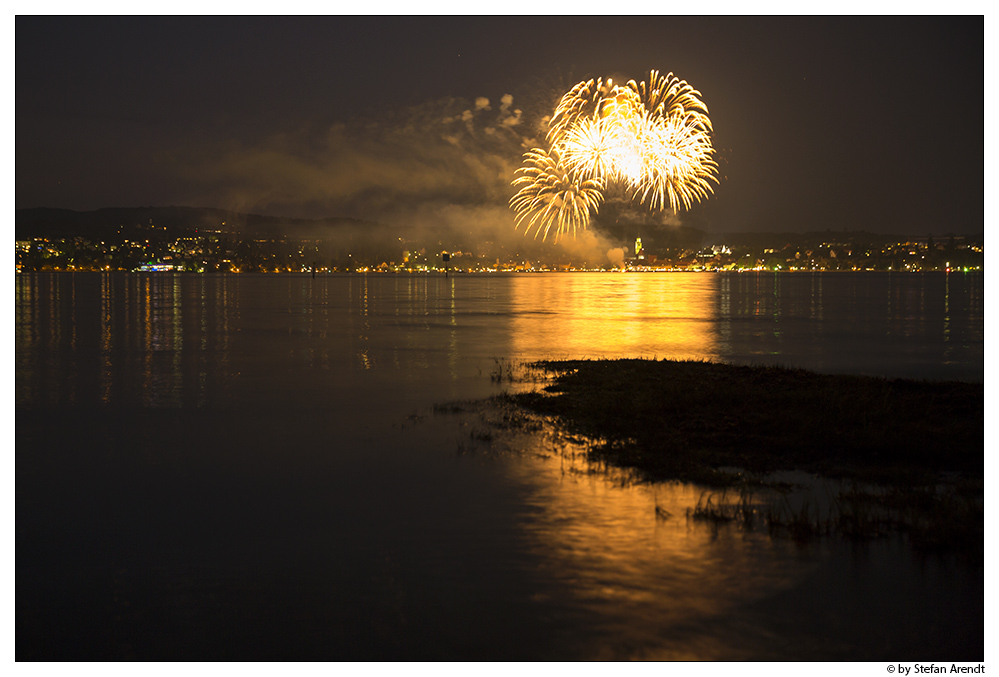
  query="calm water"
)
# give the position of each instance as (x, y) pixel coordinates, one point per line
(250, 467)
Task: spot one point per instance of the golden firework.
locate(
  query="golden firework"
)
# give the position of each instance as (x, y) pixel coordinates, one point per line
(578, 102)
(595, 147)
(664, 96)
(652, 138)
(677, 164)
(550, 197)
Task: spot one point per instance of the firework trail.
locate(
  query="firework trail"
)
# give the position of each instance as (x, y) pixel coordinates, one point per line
(652, 138)
(582, 100)
(550, 196)
(666, 95)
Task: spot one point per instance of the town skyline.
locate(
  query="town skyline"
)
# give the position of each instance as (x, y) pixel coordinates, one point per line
(209, 240)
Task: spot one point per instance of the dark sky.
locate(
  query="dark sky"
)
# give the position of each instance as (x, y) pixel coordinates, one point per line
(872, 123)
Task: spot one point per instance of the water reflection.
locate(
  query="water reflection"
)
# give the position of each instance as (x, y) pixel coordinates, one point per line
(123, 340)
(630, 576)
(589, 315)
(665, 589)
(184, 340)
(314, 376)
(926, 325)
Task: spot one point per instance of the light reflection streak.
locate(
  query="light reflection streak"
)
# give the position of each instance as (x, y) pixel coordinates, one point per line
(72, 333)
(147, 340)
(664, 587)
(596, 315)
(322, 300)
(816, 297)
(120, 339)
(26, 319)
(364, 335)
(946, 322)
(55, 298)
(177, 335)
(452, 352)
(106, 341)
(777, 310)
(200, 397)
(417, 302)
(725, 315)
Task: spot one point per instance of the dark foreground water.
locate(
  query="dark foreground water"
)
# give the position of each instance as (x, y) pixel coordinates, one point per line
(250, 467)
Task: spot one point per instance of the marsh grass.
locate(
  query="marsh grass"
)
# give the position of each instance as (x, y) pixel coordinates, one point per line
(906, 457)
(909, 452)
(506, 371)
(684, 419)
(941, 520)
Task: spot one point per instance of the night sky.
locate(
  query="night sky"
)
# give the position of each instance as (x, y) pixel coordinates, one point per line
(873, 123)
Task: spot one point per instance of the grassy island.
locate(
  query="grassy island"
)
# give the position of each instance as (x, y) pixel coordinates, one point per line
(676, 420)
(920, 442)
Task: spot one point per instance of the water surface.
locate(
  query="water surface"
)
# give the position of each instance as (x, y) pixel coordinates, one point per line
(242, 466)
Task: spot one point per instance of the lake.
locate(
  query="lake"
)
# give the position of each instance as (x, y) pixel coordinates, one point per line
(252, 467)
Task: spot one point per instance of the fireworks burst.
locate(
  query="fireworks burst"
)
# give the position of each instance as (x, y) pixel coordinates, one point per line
(652, 138)
(550, 196)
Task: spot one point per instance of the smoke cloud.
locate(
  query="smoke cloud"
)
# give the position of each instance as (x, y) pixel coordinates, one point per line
(616, 256)
(442, 152)
(442, 168)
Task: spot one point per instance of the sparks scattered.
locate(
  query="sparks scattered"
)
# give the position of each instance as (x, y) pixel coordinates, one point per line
(653, 138)
(550, 196)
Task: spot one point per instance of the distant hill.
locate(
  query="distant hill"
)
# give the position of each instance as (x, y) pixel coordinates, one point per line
(172, 222)
(815, 238)
(176, 221)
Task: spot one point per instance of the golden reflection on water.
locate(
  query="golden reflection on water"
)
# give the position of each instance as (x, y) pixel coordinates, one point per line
(161, 307)
(26, 331)
(592, 315)
(175, 340)
(663, 586)
(107, 337)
